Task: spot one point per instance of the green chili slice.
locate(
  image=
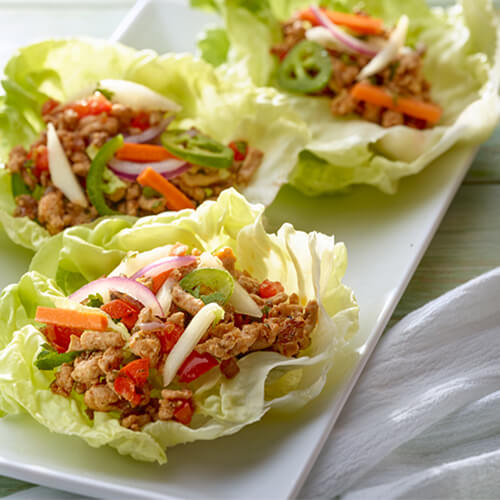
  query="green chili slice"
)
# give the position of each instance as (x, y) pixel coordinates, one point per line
(95, 180)
(197, 148)
(18, 185)
(209, 285)
(307, 68)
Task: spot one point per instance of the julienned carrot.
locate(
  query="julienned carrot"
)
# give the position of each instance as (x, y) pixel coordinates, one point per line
(412, 107)
(175, 199)
(71, 318)
(365, 25)
(143, 153)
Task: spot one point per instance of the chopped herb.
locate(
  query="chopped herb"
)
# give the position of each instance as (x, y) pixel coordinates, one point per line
(116, 320)
(393, 67)
(149, 192)
(29, 163)
(346, 59)
(95, 300)
(241, 146)
(156, 205)
(49, 359)
(108, 94)
(18, 185)
(38, 192)
(373, 80)
(209, 192)
(265, 310)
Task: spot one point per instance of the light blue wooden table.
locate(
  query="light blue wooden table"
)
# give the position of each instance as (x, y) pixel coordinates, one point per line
(466, 244)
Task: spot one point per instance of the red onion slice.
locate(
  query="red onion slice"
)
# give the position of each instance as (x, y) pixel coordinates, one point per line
(128, 286)
(151, 133)
(344, 38)
(130, 170)
(165, 264)
(151, 326)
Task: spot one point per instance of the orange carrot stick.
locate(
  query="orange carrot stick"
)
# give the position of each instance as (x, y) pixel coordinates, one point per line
(71, 318)
(143, 153)
(365, 25)
(176, 199)
(411, 107)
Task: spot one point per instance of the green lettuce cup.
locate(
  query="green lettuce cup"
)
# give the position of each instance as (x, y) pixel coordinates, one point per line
(461, 63)
(223, 109)
(310, 265)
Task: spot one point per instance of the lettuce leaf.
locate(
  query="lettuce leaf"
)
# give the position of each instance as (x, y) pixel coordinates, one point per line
(310, 264)
(462, 63)
(224, 109)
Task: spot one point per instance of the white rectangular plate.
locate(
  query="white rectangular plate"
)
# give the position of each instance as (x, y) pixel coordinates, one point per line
(386, 237)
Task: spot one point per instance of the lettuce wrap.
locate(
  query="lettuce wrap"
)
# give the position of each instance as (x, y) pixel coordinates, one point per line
(462, 63)
(224, 109)
(312, 265)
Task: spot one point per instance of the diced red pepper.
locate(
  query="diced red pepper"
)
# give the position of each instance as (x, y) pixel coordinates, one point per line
(137, 370)
(125, 387)
(195, 365)
(140, 121)
(125, 312)
(184, 413)
(94, 105)
(49, 106)
(40, 158)
(159, 279)
(60, 336)
(169, 336)
(269, 289)
(240, 149)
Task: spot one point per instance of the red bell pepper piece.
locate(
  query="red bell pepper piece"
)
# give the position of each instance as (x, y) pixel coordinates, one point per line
(94, 105)
(169, 336)
(59, 336)
(240, 149)
(140, 121)
(195, 365)
(125, 387)
(159, 279)
(125, 312)
(269, 289)
(184, 413)
(137, 370)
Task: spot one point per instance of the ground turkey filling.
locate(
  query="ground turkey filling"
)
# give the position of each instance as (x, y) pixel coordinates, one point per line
(99, 370)
(49, 207)
(403, 77)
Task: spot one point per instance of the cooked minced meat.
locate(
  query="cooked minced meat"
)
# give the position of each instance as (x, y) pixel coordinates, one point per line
(119, 375)
(78, 135)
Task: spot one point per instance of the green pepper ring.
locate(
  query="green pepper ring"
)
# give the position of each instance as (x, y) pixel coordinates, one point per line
(307, 68)
(197, 148)
(96, 171)
(218, 280)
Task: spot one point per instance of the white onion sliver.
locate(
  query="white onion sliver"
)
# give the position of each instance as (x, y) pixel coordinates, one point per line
(151, 133)
(128, 286)
(197, 327)
(240, 298)
(135, 261)
(389, 52)
(164, 294)
(163, 265)
(61, 173)
(138, 96)
(344, 38)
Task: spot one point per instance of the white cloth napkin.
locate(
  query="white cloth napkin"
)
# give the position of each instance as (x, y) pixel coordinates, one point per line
(423, 421)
